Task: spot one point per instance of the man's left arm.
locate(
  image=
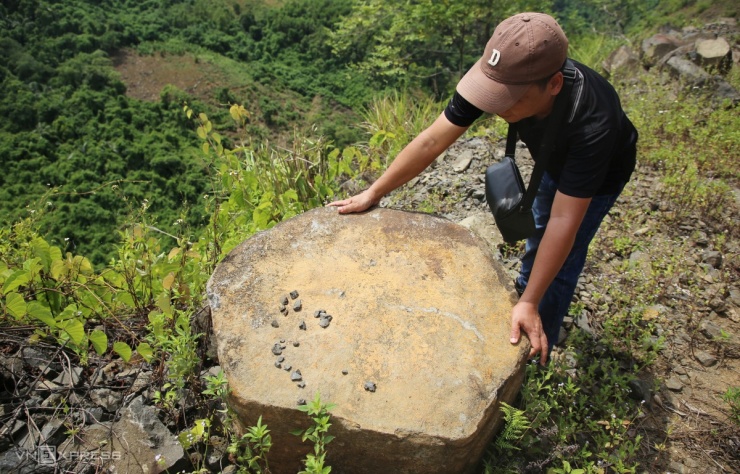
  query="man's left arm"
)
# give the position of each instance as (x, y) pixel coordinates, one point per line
(565, 218)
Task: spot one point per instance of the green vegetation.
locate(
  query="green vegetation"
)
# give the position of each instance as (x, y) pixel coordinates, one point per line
(115, 210)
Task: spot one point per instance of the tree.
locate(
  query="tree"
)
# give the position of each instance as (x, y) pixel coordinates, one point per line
(400, 42)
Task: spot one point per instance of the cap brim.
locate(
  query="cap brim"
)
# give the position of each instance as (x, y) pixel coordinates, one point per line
(488, 95)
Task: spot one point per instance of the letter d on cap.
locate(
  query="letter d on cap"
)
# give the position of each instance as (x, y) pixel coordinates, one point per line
(495, 57)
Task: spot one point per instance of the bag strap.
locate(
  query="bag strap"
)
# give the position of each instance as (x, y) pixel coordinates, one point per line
(548, 140)
(511, 141)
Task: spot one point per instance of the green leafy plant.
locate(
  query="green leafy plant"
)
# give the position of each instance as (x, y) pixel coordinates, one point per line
(250, 450)
(317, 433)
(732, 398)
(516, 425)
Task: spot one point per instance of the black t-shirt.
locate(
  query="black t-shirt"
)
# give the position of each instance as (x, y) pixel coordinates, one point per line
(595, 149)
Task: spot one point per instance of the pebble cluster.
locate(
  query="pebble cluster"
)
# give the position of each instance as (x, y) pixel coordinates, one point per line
(278, 348)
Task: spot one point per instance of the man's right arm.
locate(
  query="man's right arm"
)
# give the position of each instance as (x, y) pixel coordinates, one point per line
(409, 163)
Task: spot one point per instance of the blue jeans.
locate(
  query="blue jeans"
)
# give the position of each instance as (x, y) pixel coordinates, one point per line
(557, 298)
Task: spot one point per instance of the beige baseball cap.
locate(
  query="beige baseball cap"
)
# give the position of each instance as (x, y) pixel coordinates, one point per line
(524, 48)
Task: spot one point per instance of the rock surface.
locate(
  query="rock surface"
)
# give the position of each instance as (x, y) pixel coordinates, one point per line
(420, 308)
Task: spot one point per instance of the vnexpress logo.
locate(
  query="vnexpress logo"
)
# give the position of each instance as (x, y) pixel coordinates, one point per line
(46, 455)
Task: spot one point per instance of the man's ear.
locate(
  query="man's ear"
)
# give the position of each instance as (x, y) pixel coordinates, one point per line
(556, 83)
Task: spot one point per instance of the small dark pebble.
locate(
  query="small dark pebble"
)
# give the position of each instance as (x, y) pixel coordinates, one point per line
(277, 349)
(370, 386)
(297, 305)
(294, 294)
(302, 325)
(301, 384)
(317, 313)
(283, 308)
(296, 376)
(282, 341)
(296, 343)
(287, 368)
(277, 364)
(345, 372)
(284, 301)
(301, 401)
(324, 321)
(281, 359)
(274, 324)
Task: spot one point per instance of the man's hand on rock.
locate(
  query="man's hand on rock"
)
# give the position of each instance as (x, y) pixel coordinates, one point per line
(524, 317)
(358, 203)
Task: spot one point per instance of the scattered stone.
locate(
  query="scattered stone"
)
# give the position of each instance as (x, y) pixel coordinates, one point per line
(673, 384)
(463, 161)
(297, 305)
(705, 359)
(302, 326)
(281, 359)
(640, 390)
(301, 384)
(278, 365)
(318, 313)
(294, 294)
(283, 308)
(711, 330)
(69, 377)
(282, 341)
(108, 399)
(284, 311)
(277, 349)
(370, 386)
(301, 401)
(345, 372)
(93, 415)
(284, 301)
(296, 376)
(713, 258)
(325, 320)
(296, 343)
(274, 324)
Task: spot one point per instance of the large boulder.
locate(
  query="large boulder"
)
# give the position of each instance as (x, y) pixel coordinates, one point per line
(415, 355)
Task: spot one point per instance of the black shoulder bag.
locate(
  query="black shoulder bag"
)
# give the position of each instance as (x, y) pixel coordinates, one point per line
(510, 204)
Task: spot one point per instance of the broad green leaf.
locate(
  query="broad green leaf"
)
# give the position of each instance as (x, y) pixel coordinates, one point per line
(41, 312)
(234, 112)
(40, 249)
(290, 195)
(168, 281)
(82, 264)
(16, 279)
(15, 304)
(164, 304)
(75, 329)
(55, 253)
(126, 299)
(145, 351)
(206, 148)
(33, 265)
(123, 350)
(202, 132)
(99, 341)
(57, 269)
(70, 312)
(174, 253)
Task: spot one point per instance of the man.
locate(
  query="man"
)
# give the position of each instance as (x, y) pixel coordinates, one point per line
(518, 78)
